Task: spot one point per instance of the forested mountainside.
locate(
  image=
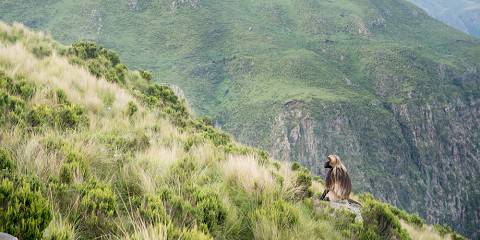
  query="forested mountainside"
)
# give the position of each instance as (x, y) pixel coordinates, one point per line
(463, 15)
(390, 89)
(92, 150)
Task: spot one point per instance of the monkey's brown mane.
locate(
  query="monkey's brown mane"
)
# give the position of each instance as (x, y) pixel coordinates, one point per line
(338, 181)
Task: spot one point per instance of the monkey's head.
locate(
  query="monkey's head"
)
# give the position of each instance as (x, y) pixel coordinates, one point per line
(333, 161)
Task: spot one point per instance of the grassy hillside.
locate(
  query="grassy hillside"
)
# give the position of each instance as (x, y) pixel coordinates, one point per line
(393, 91)
(90, 149)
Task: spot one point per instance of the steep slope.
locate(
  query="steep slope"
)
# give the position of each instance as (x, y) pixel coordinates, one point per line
(92, 150)
(391, 90)
(463, 15)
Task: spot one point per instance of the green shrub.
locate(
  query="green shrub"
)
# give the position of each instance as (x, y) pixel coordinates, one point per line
(70, 116)
(174, 233)
(61, 96)
(58, 230)
(303, 182)
(24, 212)
(295, 166)
(23, 89)
(40, 115)
(218, 138)
(131, 108)
(209, 208)
(98, 205)
(74, 164)
(42, 50)
(410, 218)
(180, 210)
(64, 116)
(151, 209)
(443, 229)
(280, 212)
(6, 160)
(132, 142)
(379, 221)
(146, 75)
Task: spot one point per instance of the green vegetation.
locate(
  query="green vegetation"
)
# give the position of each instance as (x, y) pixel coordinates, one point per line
(366, 73)
(140, 165)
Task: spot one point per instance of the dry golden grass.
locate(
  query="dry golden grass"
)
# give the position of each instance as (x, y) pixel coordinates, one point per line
(248, 174)
(423, 233)
(143, 231)
(80, 86)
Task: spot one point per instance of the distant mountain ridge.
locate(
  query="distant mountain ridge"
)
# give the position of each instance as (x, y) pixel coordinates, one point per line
(391, 90)
(463, 15)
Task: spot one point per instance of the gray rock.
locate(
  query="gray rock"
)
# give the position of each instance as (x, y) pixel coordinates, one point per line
(352, 207)
(6, 236)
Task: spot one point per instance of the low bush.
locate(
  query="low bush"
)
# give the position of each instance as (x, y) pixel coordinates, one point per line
(74, 164)
(147, 75)
(59, 230)
(24, 212)
(127, 143)
(280, 212)
(42, 50)
(98, 206)
(379, 221)
(210, 210)
(174, 233)
(131, 109)
(295, 166)
(180, 210)
(151, 209)
(410, 218)
(63, 116)
(303, 183)
(6, 161)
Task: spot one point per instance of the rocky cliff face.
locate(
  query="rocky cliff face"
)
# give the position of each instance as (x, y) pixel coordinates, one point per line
(422, 155)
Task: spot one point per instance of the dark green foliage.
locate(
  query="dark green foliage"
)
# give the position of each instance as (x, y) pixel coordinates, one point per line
(24, 212)
(379, 222)
(131, 108)
(41, 115)
(208, 121)
(209, 209)
(280, 212)
(6, 160)
(150, 209)
(126, 143)
(13, 94)
(89, 50)
(147, 75)
(100, 61)
(303, 182)
(295, 166)
(42, 50)
(74, 164)
(456, 236)
(443, 229)
(61, 96)
(63, 116)
(217, 137)
(98, 205)
(180, 210)
(70, 116)
(410, 218)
